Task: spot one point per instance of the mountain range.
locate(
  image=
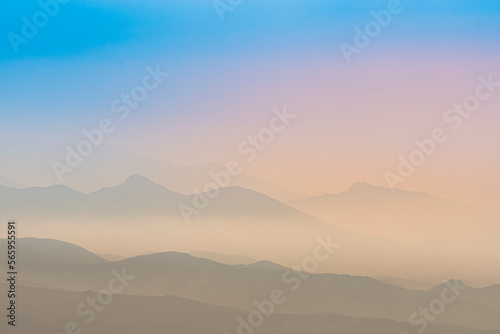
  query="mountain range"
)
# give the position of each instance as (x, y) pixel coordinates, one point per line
(149, 214)
(30, 164)
(235, 289)
(50, 311)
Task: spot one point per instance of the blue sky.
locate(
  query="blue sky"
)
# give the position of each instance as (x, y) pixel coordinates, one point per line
(93, 50)
(226, 76)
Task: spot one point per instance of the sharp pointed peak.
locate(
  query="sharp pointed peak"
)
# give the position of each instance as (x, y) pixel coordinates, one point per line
(138, 179)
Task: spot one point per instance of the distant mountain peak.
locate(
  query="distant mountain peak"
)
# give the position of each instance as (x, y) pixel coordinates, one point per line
(455, 281)
(9, 183)
(358, 188)
(363, 185)
(138, 179)
(265, 265)
(452, 282)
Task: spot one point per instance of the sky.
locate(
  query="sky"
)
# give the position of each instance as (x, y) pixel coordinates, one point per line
(225, 77)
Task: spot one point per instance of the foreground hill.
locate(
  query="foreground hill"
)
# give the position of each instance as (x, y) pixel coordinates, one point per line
(237, 286)
(51, 252)
(50, 311)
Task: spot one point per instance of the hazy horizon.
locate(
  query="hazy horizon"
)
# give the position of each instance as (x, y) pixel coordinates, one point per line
(250, 167)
